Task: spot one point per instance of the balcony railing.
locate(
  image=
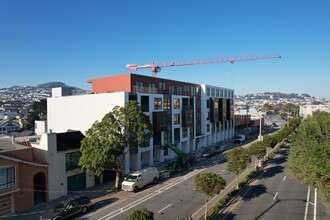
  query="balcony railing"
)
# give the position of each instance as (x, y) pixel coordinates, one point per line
(143, 89)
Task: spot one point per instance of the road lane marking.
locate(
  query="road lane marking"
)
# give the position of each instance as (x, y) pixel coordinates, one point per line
(284, 178)
(275, 195)
(307, 202)
(147, 197)
(256, 179)
(221, 171)
(315, 203)
(164, 208)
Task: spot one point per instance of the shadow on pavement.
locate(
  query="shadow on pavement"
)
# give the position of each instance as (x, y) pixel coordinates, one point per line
(280, 160)
(224, 216)
(254, 192)
(102, 203)
(270, 172)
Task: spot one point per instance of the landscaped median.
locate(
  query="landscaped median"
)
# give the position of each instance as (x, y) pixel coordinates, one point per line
(260, 151)
(232, 186)
(219, 202)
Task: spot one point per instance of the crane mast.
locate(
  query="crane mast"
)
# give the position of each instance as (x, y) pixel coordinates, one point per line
(156, 67)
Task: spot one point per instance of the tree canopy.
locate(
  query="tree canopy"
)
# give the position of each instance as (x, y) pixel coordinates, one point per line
(257, 148)
(237, 160)
(310, 152)
(122, 129)
(37, 111)
(209, 183)
(141, 214)
(290, 107)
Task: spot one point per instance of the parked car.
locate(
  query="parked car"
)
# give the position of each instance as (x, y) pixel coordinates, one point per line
(68, 208)
(139, 179)
(239, 139)
(208, 152)
(219, 149)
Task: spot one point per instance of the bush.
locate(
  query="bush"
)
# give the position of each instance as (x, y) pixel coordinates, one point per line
(142, 214)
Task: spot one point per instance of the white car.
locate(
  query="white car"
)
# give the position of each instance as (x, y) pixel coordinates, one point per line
(239, 139)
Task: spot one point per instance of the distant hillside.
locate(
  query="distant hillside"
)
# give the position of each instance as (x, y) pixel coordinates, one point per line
(29, 94)
(52, 85)
(276, 95)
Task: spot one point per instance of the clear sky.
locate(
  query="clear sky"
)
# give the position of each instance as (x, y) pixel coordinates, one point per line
(75, 40)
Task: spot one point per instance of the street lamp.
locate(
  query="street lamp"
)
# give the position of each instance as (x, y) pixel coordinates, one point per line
(260, 138)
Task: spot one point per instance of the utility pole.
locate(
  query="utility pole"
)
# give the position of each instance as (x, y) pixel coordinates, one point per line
(260, 138)
(246, 118)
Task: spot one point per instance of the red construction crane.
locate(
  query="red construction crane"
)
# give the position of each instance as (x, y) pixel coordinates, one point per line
(156, 67)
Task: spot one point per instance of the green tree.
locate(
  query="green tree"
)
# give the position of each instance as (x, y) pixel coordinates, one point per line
(106, 142)
(209, 184)
(238, 159)
(310, 152)
(257, 150)
(37, 111)
(290, 107)
(266, 107)
(269, 141)
(142, 214)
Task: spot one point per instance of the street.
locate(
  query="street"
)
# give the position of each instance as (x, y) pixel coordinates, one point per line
(274, 195)
(174, 198)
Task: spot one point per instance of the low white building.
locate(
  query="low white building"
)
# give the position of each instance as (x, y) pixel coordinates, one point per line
(61, 151)
(307, 110)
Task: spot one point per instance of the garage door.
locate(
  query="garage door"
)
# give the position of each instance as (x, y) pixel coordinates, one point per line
(77, 182)
(5, 205)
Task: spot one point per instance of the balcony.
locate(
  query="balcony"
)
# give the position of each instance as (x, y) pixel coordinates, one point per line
(143, 89)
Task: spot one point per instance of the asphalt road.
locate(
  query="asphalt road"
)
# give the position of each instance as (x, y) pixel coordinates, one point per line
(174, 198)
(274, 195)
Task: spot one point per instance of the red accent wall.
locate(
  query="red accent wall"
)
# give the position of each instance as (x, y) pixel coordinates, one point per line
(118, 83)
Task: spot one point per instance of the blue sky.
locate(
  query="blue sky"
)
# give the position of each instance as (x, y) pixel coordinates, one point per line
(75, 40)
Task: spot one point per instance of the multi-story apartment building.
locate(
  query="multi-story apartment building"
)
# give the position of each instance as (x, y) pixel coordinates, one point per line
(187, 114)
(307, 110)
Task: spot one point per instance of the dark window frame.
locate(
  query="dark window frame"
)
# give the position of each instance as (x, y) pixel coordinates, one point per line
(72, 160)
(158, 103)
(7, 178)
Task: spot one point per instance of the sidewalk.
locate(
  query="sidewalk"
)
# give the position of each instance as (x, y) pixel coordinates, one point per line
(96, 194)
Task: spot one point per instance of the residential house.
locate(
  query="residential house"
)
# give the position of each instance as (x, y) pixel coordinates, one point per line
(23, 177)
(62, 152)
(9, 125)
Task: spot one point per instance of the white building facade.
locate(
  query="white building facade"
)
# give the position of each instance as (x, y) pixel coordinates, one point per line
(307, 110)
(191, 116)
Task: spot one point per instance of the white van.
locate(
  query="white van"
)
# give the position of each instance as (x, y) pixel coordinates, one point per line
(135, 181)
